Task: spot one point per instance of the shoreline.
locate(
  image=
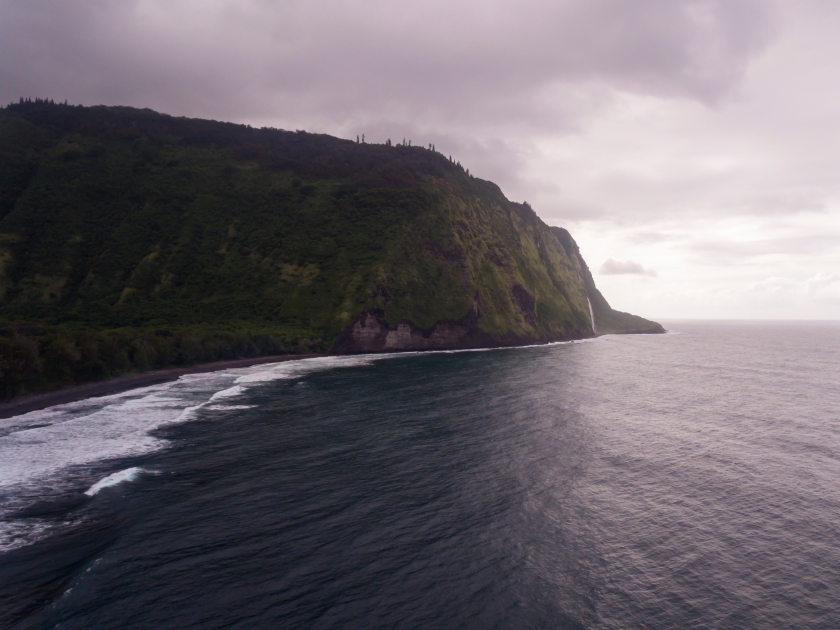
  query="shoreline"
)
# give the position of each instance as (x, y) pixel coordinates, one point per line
(118, 384)
(63, 395)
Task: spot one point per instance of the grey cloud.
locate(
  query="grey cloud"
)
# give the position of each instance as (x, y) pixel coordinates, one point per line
(785, 203)
(729, 252)
(664, 123)
(644, 200)
(650, 238)
(572, 211)
(616, 267)
(481, 80)
(347, 62)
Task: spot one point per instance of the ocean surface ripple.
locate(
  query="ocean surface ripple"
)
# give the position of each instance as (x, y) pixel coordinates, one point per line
(686, 480)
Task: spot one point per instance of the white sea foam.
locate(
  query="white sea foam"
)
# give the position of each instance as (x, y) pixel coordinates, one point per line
(496, 349)
(48, 453)
(18, 533)
(116, 429)
(129, 474)
(236, 390)
(296, 369)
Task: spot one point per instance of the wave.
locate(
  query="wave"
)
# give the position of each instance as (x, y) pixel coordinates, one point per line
(129, 474)
(236, 390)
(59, 451)
(547, 344)
(297, 369)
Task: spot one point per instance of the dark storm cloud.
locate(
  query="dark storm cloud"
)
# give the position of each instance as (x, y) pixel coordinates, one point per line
(327, 63)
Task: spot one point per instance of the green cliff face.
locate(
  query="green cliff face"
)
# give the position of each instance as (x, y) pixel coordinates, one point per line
(606, 319)
(131, 239)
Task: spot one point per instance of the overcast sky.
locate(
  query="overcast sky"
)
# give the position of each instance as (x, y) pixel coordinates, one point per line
(691, 147)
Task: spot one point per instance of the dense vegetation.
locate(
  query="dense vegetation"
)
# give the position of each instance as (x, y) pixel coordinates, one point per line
(131, 240)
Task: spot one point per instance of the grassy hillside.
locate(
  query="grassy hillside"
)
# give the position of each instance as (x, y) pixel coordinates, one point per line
(131, 239)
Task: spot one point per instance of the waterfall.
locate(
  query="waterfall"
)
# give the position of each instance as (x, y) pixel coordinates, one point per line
(591, 315)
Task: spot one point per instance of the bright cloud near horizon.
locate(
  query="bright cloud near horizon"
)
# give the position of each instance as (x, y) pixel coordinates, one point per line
(690, 146)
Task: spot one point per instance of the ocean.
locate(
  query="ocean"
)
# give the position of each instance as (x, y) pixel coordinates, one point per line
(685, 480)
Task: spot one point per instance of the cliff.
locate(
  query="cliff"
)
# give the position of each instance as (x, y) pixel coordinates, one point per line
(131, 239)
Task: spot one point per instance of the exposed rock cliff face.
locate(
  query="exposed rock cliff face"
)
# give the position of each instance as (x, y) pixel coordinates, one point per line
(372, 332)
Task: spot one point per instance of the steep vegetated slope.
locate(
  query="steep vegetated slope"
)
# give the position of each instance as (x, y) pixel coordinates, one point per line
(131, 239)
(606, 319)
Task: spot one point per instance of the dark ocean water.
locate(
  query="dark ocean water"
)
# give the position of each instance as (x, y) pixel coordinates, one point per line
(688, 480)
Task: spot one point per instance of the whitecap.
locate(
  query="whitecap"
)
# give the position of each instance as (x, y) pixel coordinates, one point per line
(17, 533)
(227, 393)
(129, 474)
(297, 369)
(52, 452)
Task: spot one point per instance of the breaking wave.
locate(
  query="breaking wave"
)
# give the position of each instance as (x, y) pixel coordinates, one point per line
(62, 450)
(129, 474)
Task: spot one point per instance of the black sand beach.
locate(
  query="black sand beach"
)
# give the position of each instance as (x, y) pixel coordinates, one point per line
(41, 400)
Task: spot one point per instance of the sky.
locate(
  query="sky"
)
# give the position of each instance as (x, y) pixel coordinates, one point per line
(691, 147)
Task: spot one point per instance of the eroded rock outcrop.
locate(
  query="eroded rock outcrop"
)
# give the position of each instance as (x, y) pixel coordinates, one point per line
(372, 333)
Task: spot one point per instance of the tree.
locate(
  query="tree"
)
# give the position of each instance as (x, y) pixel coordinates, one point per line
(21, 363)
